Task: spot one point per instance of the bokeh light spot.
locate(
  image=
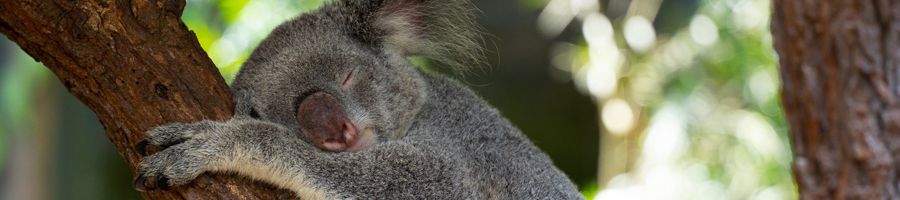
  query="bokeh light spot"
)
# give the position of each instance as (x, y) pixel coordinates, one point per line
(639, 33)
(704, 31)
(762, 86)
(618, 117)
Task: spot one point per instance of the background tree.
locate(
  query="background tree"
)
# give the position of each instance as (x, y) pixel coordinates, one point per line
(840, 65)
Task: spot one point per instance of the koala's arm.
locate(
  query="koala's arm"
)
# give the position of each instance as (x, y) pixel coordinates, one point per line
(270, 152)
(257, 149)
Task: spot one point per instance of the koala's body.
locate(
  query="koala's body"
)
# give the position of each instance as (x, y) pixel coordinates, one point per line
(329, 107)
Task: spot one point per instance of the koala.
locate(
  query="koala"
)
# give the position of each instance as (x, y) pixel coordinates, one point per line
(329, 107)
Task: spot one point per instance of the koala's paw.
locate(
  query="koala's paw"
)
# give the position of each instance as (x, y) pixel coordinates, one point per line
(185, 154)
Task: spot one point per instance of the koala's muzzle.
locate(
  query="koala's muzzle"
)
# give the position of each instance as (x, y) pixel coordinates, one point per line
(326, 125)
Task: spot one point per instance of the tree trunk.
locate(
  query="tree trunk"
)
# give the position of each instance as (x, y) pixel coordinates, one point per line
(839, 66)
(136, 65)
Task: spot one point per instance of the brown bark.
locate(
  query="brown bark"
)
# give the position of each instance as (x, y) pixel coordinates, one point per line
(136, 65)
(839, 65)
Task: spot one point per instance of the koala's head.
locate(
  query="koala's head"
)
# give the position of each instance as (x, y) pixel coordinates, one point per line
(339, 76)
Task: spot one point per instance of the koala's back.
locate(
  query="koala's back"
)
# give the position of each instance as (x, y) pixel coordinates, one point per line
(499, 161)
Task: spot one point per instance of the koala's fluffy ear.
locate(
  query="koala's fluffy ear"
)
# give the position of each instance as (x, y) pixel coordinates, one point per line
(441, 30)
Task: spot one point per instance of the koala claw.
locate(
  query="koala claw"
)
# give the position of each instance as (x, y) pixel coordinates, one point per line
(144, 184)
(141, 147)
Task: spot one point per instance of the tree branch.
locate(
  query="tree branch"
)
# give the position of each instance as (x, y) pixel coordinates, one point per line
(136, 65)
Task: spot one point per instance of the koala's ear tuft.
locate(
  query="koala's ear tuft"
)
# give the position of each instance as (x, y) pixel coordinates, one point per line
(401, 21)
(441, 30)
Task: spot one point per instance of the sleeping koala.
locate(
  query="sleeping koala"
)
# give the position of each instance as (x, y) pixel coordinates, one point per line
(329, 107)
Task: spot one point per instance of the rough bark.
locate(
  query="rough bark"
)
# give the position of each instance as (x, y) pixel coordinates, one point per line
(839, 64)
(136, 65)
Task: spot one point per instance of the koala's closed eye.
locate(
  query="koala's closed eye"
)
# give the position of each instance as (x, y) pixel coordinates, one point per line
(348, 80)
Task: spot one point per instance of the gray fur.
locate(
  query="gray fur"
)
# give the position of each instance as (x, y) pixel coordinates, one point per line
(435, 138)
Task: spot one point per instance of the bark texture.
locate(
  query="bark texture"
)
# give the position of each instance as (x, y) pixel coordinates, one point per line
(839, 66)
(136, 65)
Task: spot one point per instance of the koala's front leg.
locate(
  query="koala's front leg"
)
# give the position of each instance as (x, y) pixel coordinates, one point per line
(250, 147)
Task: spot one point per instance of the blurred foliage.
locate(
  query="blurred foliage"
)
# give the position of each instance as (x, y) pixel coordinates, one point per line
(700, 88)
(14, 107)
(229, 29)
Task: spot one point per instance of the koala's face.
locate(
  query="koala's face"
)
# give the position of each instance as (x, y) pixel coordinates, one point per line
(337, 93)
